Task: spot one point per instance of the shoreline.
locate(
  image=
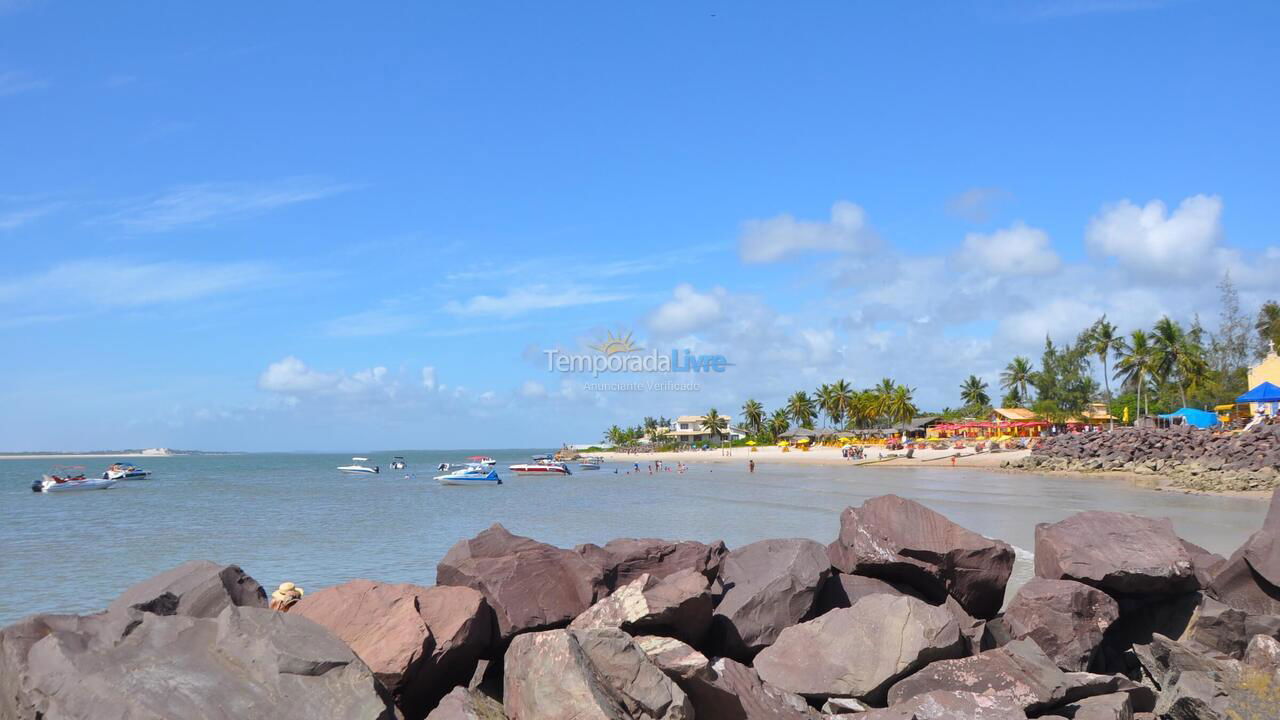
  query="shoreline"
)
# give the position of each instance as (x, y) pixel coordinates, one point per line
(73, 456)
(830, 457)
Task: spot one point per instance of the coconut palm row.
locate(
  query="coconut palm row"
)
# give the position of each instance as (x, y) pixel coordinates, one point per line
(836, 405)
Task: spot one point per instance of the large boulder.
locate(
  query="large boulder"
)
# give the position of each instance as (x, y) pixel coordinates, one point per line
(464, 704)
(842, 590)
(1115, 706)
(198, 588)
(678, 605)
(530, 585)
(1116, 552)
(769, 585)
(950, 705)
(1019, 670)
(418, 641)
(723, 689)
(246, 662)
(1217, 627)
(860, 651)
(1250, 579)
(1065, 618)
(901, 540)
(585, 674)
(625, 559)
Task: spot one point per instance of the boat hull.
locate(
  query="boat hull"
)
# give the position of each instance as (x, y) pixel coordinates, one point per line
(358, 470)
(538, 470)
(75, 485)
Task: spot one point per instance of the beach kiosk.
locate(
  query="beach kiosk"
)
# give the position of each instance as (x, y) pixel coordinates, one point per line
(1265, 397)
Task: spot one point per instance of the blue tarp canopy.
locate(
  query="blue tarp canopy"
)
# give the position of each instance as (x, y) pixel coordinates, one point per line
(1199, 418)
(1263, 393)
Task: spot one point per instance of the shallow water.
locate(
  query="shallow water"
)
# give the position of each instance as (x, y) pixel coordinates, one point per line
(293, 517)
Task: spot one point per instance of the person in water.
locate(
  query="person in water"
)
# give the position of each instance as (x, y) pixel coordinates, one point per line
(751, 465)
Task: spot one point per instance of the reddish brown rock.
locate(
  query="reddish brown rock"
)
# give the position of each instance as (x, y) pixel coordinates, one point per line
(1119, 553)
(1206, 564)
(625, 559)
(1115, 706)
(1250, 579)
(1065, 618)
(678, 605)
(842, 591)
(1217, 627)
(901, 540)
(729, 690)
(198, 588)
(419, 641)
(530, 585)
(769, 585)
(860, 651)
(1018, 670)
(950, 705)
(464, 704)
(585, 674)
(245, 663)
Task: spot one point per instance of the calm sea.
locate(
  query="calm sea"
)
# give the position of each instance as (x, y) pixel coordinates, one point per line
(294, 517)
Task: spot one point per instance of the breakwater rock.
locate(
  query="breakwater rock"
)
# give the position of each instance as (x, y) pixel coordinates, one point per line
(897, 619)
(1189, 457)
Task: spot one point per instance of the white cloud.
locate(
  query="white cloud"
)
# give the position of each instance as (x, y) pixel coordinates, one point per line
(533, 389)
(1016, 250)
(529, 299)
(13, 82)
(14, 219)
(687, 311)
(291, 375)
(771, 240)
(976, 204)
(370, 323)
(429, 378)
(206, 203)
(96, 285)
(1151, 241)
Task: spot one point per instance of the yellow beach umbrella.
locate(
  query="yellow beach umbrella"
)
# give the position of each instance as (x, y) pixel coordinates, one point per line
(1125, 419)
(751, 442)
(783, 443)
(803, 440)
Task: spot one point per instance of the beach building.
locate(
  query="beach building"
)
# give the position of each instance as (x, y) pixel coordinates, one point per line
(1267, 371)
(689, 429)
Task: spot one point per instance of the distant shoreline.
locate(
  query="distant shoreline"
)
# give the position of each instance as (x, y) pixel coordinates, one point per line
(72, 456)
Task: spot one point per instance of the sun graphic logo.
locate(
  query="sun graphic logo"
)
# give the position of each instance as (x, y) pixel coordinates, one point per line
(615, 344)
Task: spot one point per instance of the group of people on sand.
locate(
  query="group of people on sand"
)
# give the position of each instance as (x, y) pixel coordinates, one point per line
(852, 452)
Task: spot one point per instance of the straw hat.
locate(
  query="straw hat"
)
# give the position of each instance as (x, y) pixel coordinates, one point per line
(288, 592)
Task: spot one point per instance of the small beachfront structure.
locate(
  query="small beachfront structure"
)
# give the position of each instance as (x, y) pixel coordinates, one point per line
(688, 429)
(1267, 371)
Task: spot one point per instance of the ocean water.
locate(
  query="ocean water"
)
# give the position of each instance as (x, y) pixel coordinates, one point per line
(294, 517)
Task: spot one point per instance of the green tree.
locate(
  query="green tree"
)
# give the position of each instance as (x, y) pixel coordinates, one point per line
(843, 397)
(901, 405)
(715, 423)
(1103, 341)
(1179, 357)
(800, 408)
(1268, 327)
(1135, 364)
(974, 392)
(753, 417)
(824, 400)
(615, 436)
(779, 421)
(1016, 377)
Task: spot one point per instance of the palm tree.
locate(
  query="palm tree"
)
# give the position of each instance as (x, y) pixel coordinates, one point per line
(901, 408)
(1178, 355)
(881, 394)
(1017, 374)
(779, 421)
(615, 436)
(753, 416)
(1268, 326)
(842, 398)
(974, 392)
(1135, 362)
(822, 400)
(800, 408)
(1103, 340)
(650, 426)
(714, 423)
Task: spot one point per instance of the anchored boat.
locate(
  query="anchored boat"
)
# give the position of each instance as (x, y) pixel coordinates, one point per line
(125, 471)
(541, 467)
(474, 474)
(69, 479)
(358, 468)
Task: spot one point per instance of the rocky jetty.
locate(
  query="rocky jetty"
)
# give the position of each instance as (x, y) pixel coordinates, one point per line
(899, 618)
(1187, 457)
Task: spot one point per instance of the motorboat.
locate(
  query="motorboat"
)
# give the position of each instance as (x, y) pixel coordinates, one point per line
(590, 463)
(398, 463)
(69, 480)
(473, 474)
(125, 471)
(358, 468)
(542, 467)
(483, 460)
(540, 458)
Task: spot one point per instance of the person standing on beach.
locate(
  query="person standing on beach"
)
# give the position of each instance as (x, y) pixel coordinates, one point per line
(751, 465)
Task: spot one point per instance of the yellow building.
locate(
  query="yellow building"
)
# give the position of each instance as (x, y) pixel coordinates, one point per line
(1266, 371)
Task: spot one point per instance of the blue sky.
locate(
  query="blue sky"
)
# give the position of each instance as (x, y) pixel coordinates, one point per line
(327, 226)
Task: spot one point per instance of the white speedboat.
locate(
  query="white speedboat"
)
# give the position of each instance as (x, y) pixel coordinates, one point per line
(397, 463)
(126, 471)
(590, 463)
(483, 460)
(542, 467)
(471, 475)
(358, 468)
(69, 482)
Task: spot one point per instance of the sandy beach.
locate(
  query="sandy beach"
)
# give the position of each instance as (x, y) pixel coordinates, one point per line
(879, 458)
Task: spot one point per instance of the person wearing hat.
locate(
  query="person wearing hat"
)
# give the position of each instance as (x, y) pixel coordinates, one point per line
(286, 596)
